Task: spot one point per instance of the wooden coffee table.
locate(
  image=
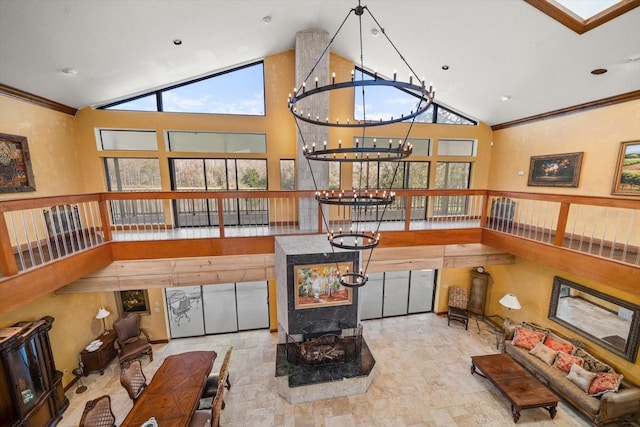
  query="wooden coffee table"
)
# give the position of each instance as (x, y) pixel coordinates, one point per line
(515, 383)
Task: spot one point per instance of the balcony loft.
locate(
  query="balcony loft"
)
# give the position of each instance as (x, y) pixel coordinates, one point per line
(47, 243)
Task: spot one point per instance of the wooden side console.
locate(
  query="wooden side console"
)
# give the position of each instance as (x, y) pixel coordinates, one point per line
(97, 360)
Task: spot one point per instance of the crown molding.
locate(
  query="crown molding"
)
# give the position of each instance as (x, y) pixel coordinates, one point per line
(35, 99)
(604, 102)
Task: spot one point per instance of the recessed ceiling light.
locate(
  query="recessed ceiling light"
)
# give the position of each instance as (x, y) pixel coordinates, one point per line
(375, 32)
(599, 71)
(70, 71)
(266, 19)
(505, 98)
(177, 42)
(445, 67)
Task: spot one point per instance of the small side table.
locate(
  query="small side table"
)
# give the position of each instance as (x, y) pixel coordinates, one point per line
(497, 326)
(99, 359)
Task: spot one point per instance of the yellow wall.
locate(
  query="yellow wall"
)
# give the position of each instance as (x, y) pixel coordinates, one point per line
(52, 141)
(598, 133)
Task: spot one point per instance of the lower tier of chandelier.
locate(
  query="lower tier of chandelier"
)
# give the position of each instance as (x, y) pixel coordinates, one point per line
(353, 240)
(362, 198)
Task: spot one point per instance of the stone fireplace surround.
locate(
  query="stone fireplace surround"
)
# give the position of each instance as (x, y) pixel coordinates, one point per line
(300, 382)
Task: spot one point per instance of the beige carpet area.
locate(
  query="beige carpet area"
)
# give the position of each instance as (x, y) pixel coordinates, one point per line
(423, 379)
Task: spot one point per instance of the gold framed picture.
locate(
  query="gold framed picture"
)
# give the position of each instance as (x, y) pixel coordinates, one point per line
(317, 285)
(626, 180)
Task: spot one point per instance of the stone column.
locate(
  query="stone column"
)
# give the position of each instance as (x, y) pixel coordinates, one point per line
(309, 46)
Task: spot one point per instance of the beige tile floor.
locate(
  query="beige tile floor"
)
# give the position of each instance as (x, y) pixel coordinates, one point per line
(423, 380)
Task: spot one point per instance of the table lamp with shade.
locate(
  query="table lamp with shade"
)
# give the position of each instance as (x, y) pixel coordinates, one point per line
(103, 314)
(511, 302)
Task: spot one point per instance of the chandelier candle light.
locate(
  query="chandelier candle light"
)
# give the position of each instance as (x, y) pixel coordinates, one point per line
(362, 200)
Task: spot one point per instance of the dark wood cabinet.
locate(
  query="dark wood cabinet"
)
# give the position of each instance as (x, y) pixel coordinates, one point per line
(30, 386)
(478, 292)
(97, 360)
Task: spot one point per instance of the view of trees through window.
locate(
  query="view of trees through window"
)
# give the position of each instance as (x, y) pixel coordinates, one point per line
(219, 174)
(129, 174)
(385, 175)
(287, 174)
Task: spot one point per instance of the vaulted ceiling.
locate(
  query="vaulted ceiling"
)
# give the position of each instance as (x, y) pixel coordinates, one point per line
(493, 49)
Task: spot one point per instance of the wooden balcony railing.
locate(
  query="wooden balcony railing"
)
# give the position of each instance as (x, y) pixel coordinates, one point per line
(36, 232)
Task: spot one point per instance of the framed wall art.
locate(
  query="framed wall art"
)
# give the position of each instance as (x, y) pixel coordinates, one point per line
(16, 174)
(133, 301)
(555, 170)
(317, 286)
(626, 181)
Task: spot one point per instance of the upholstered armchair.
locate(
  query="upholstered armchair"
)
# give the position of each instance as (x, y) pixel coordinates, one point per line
(132, 341)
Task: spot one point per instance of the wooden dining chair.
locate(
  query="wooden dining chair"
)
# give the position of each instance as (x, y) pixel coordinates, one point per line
(98, 413)
(132, 378)
(211, 386)
(206, 418)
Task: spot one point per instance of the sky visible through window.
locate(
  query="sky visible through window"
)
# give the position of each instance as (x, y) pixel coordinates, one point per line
(381, 102)
(587, 9)
(237, 92)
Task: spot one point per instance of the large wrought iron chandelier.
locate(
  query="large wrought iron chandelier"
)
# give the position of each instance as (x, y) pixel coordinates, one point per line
(362, 199)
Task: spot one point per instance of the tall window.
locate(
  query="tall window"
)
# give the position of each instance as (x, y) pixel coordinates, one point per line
(452, 175)
(236, 91)
(287, 174)
(219, 174)
(129, 174)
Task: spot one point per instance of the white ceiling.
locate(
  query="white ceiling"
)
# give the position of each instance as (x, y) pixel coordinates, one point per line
(493, 48)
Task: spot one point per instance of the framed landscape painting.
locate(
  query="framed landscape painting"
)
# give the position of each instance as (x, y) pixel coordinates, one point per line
(627, 176)
(15, 164)
(317, 285)
(555, 170)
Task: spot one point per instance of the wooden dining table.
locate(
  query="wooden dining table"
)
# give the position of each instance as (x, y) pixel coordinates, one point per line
(174, 392)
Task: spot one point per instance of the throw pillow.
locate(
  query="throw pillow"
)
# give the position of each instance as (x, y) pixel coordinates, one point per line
(544, 353)
(558, 345)
(591, 363)
(527, 338)
(564, 361)
(604, 382)
(581, 377)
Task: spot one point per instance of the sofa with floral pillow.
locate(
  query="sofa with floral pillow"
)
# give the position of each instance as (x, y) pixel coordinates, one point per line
(589, 384)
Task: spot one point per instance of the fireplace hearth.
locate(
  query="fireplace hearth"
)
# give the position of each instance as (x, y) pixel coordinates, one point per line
(326, 349)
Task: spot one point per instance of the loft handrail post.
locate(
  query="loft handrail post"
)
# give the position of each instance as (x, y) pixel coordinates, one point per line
(563, 215)
(104, 218)
(7, 259)
(485, 209)
(407, 214)
(219, 202)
